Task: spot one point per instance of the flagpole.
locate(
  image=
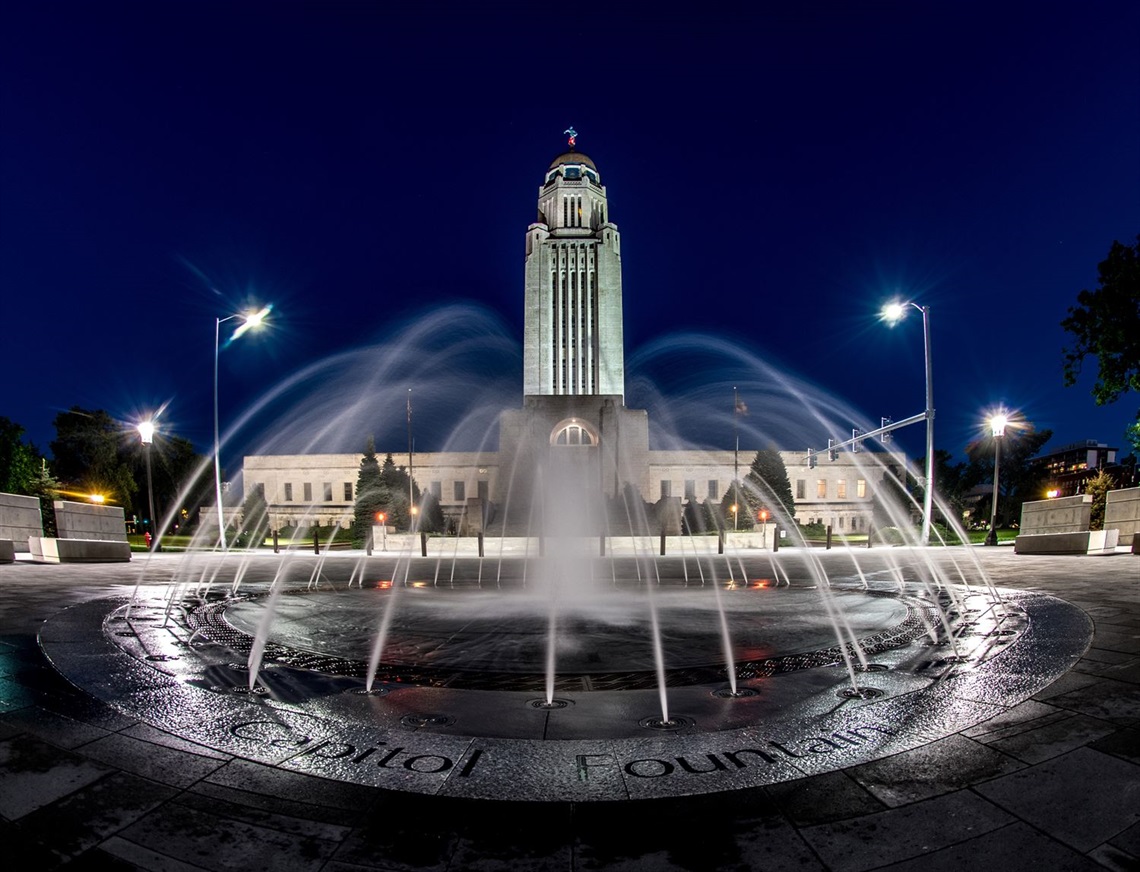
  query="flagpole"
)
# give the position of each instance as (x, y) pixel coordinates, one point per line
(411, 503)
(735, 458)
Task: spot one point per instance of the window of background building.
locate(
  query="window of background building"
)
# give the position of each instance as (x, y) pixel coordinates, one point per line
(713, 488)
(666, 488)
(801, 489)
(327, 488)
(308, 491)
(821, 488)
(460, 492)
(348, 491)
(860, 488)
(288, 492)
(437, 489)
(841, 489)
(690, 489)
(483, 493)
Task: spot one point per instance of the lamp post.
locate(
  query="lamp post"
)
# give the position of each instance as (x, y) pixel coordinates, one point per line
(249, 321)
(892, 314)
(146, 433)
(997, 427)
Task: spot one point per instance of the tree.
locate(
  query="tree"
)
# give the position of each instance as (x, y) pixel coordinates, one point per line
(431, 515)
(174, 464)
(768, 486)
(1106, 323)
(87, 453)
(254, 519)
(744, 518)
(1099, 486)
(19, 461)
(394, 482)
(370, 495)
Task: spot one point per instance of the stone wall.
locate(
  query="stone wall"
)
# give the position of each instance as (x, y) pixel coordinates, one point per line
(1122, 512)
(1064, 515)
(20, 518)
(87, 521)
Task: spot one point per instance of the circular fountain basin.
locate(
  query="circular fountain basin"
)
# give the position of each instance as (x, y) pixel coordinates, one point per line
(461, 702)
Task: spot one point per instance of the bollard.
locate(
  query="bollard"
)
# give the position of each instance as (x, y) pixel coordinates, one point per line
(423, 543)
(480, 544)
(368, 542)
(870, 533)
(316, 542)
(662, 543)
(776, 539)
(829, 537)
(276, 548)
(720, 541)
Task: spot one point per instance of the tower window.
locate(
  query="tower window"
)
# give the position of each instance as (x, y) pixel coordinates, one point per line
(572, 433)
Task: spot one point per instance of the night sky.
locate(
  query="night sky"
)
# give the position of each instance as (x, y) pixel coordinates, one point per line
(777, 171)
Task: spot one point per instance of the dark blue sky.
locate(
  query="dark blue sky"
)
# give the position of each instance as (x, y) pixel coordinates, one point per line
(777, 171)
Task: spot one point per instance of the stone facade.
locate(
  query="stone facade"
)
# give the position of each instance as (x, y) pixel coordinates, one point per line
(20, 518)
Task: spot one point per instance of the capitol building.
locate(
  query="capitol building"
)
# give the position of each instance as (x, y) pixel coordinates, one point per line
(573, 426)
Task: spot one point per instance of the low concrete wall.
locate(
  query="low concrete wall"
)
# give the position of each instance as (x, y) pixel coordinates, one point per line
(88, 521)
(1122, 513)
(20, 518)
(46, 550)
(519, 546)
(7, 551)
(1064, 515)
(1088, 542)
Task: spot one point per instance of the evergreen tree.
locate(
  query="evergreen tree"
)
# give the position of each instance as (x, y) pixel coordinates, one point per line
(768, 487)
(18, 460)
(431, 514)
(1099, 486)
(254, 519)
(745, 516)
(371, 496)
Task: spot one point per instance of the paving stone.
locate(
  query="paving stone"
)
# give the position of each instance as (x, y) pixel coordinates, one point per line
(301, 826)
(1014, 720)
(1082, 798)
(157, 762)
(141, 857)
(259, 803)
(84, 818)
(1017, 846)
(931, 770)
(1115, 701)
(159, 737)
(914, 830)
(1123, 743)
(1054, 738)
(539, 840)
(214, 842)
(34, 774)
(258, 778)
(55, 728)
(824, 798)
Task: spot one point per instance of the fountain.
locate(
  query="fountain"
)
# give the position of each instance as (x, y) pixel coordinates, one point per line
(571, 660)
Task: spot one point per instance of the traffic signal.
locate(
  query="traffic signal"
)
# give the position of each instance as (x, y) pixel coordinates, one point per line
(811, 458)
(886, 437)
(832, 451)
(855, 434)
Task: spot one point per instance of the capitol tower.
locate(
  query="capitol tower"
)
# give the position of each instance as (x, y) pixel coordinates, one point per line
(572, 341)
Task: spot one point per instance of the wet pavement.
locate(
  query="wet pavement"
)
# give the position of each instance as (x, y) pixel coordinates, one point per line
(1051, 783)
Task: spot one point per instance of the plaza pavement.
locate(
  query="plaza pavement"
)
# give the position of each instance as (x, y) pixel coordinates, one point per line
(1052, 784)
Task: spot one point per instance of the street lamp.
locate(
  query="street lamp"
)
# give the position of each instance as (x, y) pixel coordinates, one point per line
(892, 314)
(249, 321)
(997, 427)
(146, 433)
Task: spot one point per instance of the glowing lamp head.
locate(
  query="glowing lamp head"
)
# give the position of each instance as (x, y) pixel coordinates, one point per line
(251, 320)
(893, 312)
(998, 424)
(763, 514)
(1052, 493)
(733, 508)
(97, 498)
(380, 517)
(146, 432)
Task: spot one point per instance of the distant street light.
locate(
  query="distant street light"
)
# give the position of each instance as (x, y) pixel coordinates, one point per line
(146, 433)
(892, 314)
(997, 427)
(249, 321)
